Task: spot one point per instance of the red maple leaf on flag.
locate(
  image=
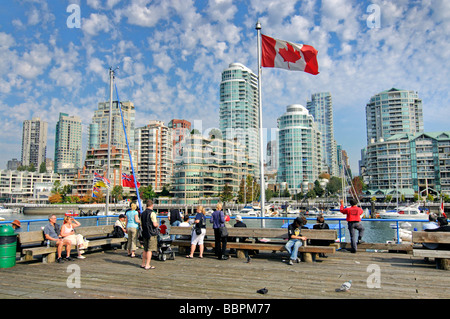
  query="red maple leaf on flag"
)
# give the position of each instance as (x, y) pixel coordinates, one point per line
(290, 54)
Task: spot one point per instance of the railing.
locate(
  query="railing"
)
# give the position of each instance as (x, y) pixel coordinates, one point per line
(99, 220)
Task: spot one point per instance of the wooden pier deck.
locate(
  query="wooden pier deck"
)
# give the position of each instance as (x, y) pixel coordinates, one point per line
(111, 274)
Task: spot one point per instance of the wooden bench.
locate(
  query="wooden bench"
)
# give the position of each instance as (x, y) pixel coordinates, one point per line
(277, 239)
(441, 256)
(31, 244)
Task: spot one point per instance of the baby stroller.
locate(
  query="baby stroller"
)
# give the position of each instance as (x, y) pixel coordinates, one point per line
(164, 248)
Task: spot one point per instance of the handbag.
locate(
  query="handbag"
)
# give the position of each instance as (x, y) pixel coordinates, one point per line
(223, 232)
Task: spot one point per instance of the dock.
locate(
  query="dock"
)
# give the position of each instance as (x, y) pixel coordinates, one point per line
(111, 275)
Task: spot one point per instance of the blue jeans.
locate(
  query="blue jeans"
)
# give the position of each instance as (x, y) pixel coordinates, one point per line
(292, 247)
(175, 223)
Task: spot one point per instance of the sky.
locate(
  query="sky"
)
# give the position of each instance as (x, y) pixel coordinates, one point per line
(170, 54)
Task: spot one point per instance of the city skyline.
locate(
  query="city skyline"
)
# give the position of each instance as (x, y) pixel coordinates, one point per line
(171, 55)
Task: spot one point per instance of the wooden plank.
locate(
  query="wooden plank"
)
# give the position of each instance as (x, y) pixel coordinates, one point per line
(95, 231)
(261, 246)
(431, 237)
(262, 232)
(432, 253)
(31, 237)
(106, 241)
(379, 246)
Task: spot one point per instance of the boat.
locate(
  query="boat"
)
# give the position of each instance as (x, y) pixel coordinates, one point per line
(404, 212)
(4, 210)
(332, 213)
(71, 213)
(249, 212)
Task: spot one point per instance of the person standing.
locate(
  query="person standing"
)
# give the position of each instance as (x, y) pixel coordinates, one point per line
(218, 221)
(174, 219)
(295, 240)
(199, 226)
(354, 223)
(132, 230)
(150, 230)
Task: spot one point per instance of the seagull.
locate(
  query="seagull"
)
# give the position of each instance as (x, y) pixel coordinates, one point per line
(345, 286)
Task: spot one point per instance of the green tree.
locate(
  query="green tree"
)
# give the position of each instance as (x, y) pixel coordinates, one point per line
(318, 189)
(147, 192)
(241, 193)
(43, 168)
(334, 185)
(227, 194)
(117, 193)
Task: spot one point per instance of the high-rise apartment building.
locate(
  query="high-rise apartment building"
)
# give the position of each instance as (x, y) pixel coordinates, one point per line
(206, 165)
(68, 144)
(180, 129)
(299, 149)
(393, 112)
(321, 108)
(239, 109)
(34, 142)
(153, 143)
(98, 130)
(410, 163)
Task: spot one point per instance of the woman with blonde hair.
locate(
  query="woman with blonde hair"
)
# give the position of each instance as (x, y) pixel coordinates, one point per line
(220, 234)
(68, 233)
(198, 232)
(132, 227)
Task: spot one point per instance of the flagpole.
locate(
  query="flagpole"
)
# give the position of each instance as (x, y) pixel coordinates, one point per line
(111, 77)
(261, 153)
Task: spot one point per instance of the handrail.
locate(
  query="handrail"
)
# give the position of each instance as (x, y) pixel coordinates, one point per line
(160, 217)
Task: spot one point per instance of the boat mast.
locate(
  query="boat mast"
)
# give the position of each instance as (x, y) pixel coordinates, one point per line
(111, 79)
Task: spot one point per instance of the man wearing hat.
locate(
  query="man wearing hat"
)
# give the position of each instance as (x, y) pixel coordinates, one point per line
(295, 239)
(16, 225)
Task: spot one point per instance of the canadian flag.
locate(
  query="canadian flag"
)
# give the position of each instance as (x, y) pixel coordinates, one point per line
(289, 56)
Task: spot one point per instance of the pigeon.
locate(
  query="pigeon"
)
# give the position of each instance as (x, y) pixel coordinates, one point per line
(345, 286)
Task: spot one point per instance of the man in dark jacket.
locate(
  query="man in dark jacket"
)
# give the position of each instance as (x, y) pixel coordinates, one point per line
(174, 219)
(295, 239)
(240, 223)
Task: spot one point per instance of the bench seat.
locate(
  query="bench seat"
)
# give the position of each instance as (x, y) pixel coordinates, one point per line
(277, 238)
(441, 256)
(32, 244)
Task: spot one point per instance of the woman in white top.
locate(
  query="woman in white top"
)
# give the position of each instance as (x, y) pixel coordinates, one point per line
(68, 232)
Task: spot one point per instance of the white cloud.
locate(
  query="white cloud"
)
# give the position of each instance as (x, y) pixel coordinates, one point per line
(34, 62)
(95, 24)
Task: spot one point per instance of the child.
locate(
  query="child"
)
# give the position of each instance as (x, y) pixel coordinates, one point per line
(163, 227)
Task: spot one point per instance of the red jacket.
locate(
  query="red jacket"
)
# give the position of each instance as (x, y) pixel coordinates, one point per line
(353, 213)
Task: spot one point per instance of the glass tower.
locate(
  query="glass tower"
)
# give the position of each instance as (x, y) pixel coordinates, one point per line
(299, 149)
(68, 155)
(321, 108)
(239, 107)
(393, 112)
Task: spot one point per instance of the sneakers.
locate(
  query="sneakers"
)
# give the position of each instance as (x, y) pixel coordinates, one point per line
(290, 262)
(68, 258)
(59, 260)
(81, 257)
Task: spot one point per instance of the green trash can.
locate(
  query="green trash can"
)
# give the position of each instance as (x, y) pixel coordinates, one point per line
(8, 243)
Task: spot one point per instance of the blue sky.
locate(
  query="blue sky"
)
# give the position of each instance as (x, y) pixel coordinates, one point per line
(171, 54)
